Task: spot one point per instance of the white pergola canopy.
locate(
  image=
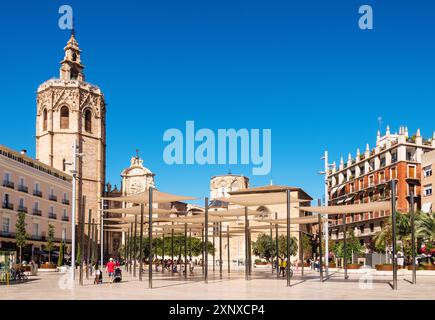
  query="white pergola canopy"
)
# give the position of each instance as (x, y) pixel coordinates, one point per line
(158, 197)
(352, 208)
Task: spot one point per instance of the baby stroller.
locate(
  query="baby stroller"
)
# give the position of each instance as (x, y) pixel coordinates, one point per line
(117, 277)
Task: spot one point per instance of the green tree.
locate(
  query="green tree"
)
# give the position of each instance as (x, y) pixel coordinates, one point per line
(353, 246)
(264, 247)
(60, 259)
(20, 233)
(307, 245)
(425, 226)
(282, 246)
(50, 240)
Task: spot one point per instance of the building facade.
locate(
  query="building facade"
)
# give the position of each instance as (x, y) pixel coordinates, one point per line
(428, 182)
(39, 191)
(220, 186)
(366, 178)
(71, 110)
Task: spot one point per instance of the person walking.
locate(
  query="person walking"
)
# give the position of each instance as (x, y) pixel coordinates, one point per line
(111, 269)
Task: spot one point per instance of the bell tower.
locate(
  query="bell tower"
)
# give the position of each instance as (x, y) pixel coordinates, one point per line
(68, 110)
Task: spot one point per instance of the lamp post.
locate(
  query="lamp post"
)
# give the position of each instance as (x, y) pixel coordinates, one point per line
(73, 206)
(326, 224)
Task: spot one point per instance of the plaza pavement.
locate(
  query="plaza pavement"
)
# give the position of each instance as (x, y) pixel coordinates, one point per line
(262, 286)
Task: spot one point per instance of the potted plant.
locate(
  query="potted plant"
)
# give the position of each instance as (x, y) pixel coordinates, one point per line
(384, 267)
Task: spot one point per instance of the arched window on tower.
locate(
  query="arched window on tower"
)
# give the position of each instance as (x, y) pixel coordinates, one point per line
(74, 74)
(64, 117)
(44, 120)
(88, 121)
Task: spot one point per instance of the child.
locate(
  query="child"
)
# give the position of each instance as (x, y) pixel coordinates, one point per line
(98, 275)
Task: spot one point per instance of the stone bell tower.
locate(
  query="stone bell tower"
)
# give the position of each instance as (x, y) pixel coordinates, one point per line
(70, 109)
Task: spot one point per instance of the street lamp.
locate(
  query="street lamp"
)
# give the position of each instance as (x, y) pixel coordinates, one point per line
(73, 206)
(326, 225)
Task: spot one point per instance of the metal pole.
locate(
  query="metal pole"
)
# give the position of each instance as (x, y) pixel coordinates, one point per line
(73, 214)
(102, 237)
(89, 244)
(271, 239)
(220, 250)
(301, 251)
(172, 247)
(163, 251)
(202, 251)
(135, 246)
(127, 250)
(288, 239)
(393, 223)
(130, 249)
(246, 245)
(185, 250)
(141, 242)
(277, 246)
(320, 246)
(214, 246)
(345, 247)
(249, 252)
(414, 273)
(206, 241)
(326, 216)
(150, 236)
(228, 249)
(82, 239)
(190, 244)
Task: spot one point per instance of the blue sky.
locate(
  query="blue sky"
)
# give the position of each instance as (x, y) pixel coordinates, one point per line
(301, 68)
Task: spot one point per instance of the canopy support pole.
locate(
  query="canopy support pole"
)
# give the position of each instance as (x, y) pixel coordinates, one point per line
(163, 252)
(130, 250)
(414, 273)
(172, 248)
(271, 239)
(288, 239)
(277, 247)
(135, 247)
(185, 250)
(393, 223)
(301, 251)
(228, 249)
(246, 245)
(202, 249)
(214, 245)
(150, 237)
(190, 243)
(127, 250)
(220, 250)
(88, 254)
(206, 241)
(141, 242)
(345, 247)
(82, 239)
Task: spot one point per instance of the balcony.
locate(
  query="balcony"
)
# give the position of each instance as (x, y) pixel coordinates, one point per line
(23, 189)
(65, 201)
(65, 218)
(22, 209)
(8, 184)
(52, 216)
(37, 193)
(37, 212)
(52, 197)
(7, 205)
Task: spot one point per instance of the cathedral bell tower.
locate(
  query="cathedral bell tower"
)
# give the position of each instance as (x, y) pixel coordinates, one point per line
(68, 110)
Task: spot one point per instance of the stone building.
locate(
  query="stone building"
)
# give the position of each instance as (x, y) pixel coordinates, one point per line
(366, 178)
(428, 182)
(221, 185)
(68, 110)
(40, 192)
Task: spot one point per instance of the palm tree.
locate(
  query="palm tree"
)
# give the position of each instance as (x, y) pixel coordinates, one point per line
(425, 226)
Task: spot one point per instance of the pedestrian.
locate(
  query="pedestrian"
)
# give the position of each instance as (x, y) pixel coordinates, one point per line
(111, 269)
(192, 265)
(98, 275)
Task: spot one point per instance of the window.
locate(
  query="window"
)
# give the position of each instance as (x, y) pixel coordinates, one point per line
(36, 206)
(381, 176)
(63, 233)
(22, 182)
(383, 162)
(371, 181)
(88, 121)
(51, 210)
(6, 199)
(411, 172)
(37, 186)
(64, 117)
(412, 188)
(7, 177)
(21, 203)
(372, 227)
(428, 190)
(427, 171)
(44, 120)
(74, 74)
(394, 157)
(361, 228)
(6, 224)
(36, 229)
(65, 215)
(393, 173)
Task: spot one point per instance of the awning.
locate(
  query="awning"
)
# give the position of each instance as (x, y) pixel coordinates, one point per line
(340, 188)
(261, 199)
(353, 208)
(137, 211)
(426, 207)
(348, 199)
(158, 197)
(340, 201)
(333, 190)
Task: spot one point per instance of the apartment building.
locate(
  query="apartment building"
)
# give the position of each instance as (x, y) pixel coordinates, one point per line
(428, 182)
(366, 178)
(39, 191)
